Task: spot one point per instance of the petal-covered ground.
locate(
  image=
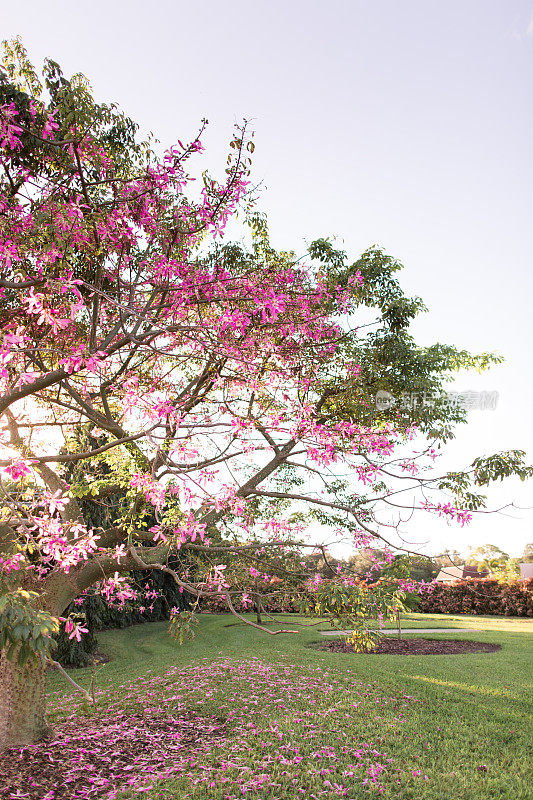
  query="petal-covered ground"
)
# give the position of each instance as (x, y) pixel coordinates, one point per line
(232, 728)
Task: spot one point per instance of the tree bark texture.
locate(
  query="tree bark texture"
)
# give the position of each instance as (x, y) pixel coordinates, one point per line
(22, 702)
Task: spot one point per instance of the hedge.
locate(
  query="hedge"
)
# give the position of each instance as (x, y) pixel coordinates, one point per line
(479, 596)
(279, 604)
(474, 596)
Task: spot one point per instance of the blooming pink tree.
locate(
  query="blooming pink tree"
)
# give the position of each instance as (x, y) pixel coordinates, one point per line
(210, 381)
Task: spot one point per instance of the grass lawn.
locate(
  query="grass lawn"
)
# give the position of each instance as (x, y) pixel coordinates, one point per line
(300, 722)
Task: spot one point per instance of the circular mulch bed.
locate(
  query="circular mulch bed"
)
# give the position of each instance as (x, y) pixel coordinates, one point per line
(415, 647)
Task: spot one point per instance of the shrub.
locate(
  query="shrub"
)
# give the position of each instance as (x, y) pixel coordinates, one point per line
(101, 615)
(480, 596)
(475, 596)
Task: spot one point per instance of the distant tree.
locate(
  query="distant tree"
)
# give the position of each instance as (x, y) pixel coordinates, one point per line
(452, 558)
(488, 556)
(324, 564)
(367, 563)
(417, 567)
(527, 555)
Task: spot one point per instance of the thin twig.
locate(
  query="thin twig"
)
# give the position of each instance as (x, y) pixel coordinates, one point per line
(58, 666)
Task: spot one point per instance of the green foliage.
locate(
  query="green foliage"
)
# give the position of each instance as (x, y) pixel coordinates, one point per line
(501, 567)
(419, 568)
(484, 470)
(527, 555)
(507, 572)
(388, 356)
(72, 102)
(357, 608)
(181, 627)
(98, 614)
(500, 466)
(25, 632)
(487, 555)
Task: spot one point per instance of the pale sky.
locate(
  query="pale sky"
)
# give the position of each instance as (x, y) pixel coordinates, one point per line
(403, 124)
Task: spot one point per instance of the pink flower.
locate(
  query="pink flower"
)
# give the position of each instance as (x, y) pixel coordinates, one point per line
(19, 469)
(120, 552)
(11, 563)
(50, 126)
(33, 302)
(28, 377)
(74, 630)
(56, 502)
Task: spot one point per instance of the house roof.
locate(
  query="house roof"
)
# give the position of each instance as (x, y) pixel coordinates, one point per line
(450, 574)
(460, 573)
(526, 570)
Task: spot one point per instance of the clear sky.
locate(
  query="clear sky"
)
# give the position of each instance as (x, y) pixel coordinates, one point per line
(403, 124)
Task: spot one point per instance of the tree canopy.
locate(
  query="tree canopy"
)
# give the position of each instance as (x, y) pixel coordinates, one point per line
(211, 398)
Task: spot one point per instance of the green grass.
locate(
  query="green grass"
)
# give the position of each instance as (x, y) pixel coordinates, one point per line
(410, 621)
(469, 711)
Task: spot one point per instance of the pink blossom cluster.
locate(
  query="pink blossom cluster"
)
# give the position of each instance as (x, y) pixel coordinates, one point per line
(450, 512)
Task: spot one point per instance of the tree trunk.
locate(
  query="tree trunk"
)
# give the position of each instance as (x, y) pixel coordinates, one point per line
(23, 689)
(258, 611)
(22, 702)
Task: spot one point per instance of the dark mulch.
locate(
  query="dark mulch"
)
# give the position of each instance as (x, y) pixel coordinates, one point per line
(100, 658)
(95, 757)
(418, 647)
